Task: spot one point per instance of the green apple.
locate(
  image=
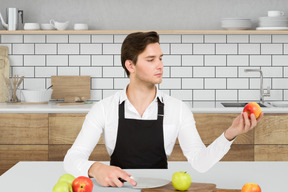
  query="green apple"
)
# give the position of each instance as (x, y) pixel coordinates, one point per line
(62, 187)
(181, 180)
(66, 178)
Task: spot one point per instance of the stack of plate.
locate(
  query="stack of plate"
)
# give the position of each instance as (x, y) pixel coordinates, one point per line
(273, 23)
(236, 23)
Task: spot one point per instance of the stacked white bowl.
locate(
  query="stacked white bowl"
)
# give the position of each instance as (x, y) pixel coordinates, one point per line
(274, 21)
(236, 23)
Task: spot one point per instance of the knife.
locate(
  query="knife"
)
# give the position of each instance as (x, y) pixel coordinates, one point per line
(147, 182)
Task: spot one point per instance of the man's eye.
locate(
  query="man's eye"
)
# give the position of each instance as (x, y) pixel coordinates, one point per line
(150, 60)
(160, 59)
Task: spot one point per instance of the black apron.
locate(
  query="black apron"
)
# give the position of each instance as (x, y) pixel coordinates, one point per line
(140, 143)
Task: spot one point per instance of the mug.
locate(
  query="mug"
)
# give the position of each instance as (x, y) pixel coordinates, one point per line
(58, 25)
(275, 13)
(80, 26)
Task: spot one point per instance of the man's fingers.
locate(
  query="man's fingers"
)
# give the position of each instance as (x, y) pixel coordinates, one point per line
(247, 122)
(127, 178)
(253, 121)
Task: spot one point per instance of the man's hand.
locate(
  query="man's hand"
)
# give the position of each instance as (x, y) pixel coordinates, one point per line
(107, 175)
(242, 124)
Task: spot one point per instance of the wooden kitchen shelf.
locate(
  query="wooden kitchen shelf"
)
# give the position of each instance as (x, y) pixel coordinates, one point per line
(4, 32)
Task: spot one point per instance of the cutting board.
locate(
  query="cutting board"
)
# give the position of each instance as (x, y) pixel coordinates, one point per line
(195, 187)
(4, 73)
(64, 86)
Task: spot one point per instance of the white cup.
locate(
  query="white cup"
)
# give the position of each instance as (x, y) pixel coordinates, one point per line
(58, 25)
(80, 26)
(275, 13)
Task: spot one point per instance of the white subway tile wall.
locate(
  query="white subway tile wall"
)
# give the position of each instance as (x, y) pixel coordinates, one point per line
(199, 69)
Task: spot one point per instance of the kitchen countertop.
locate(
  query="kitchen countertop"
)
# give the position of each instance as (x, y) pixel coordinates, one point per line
(42, 176)
(51, 107)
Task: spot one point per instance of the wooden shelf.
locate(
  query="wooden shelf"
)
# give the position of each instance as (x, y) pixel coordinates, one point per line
(4, 32)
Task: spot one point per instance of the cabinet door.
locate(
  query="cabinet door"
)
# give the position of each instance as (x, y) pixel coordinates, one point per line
(23, 128)
(271, 139)
(63, 130)
(24, 137)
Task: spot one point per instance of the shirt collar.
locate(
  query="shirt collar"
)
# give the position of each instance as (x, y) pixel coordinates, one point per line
(123, 95)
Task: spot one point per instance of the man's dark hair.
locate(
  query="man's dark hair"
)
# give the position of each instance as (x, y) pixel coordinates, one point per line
(134, 44)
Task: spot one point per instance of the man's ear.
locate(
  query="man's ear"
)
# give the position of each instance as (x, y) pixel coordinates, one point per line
(130, 66)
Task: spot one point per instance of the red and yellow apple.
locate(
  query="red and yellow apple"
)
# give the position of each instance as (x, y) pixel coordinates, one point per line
(251, 187)
(82, 184)
(254, 108)
(181, 180)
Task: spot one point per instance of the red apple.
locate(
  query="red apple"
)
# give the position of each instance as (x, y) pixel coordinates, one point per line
(252, 108)
(82, 184)
(251, 187)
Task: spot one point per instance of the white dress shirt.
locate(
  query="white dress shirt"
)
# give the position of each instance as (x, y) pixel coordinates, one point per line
(178, 122)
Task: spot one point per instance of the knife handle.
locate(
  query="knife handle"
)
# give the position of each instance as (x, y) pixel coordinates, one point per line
(122, 180)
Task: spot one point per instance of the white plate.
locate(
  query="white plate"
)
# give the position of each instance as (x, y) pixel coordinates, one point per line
(272, 28)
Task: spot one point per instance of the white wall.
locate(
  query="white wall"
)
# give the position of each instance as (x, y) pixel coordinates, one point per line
(144, 14)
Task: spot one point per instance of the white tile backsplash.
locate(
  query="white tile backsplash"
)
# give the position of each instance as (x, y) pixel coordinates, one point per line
(91, 71)
(215, 60)
(34, 39)
(171, 60)
(34, 60)
(68, 49)
(79, 39)
(192, 60)
(57, 38)
(237, 60)
(204, 72)
(16, 60)
(214, 38)
(57, 60)
(203, 49)
(229, 49)
(23, 49)
(181, 49)
(45, 71)
(79, 60)
(271, 49)
(113, 72)
(215, 83)
(192, 38)
(199, 69)
(102, 60)
(181, 71)
(249, 49)
(260, 60)
(192, 83)
(92, 49)
(11, 38)
(46, 49)
(237, 38)
(260, 38)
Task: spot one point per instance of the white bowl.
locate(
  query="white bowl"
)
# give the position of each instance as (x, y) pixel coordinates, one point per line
(47, 26)
(236, 23)
(37, 95)
(31, 26)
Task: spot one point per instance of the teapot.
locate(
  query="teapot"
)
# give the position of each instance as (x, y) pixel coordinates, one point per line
(12, 17)
(58, 25)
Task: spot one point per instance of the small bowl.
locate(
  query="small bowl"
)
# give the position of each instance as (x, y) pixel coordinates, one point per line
(236, 23)
(47, 26)
(36, 96)
(31, 26)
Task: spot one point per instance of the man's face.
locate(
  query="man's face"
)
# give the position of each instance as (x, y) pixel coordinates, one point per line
(149, 66)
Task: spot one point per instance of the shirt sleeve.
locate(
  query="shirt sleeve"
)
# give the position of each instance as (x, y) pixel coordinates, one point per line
(76, 160)
(200, 157)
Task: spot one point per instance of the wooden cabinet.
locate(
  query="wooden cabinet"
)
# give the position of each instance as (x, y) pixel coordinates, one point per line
(43, 137)
(23, 137)
(63, 130)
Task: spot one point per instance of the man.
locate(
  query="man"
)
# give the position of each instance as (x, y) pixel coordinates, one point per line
(140, 124)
